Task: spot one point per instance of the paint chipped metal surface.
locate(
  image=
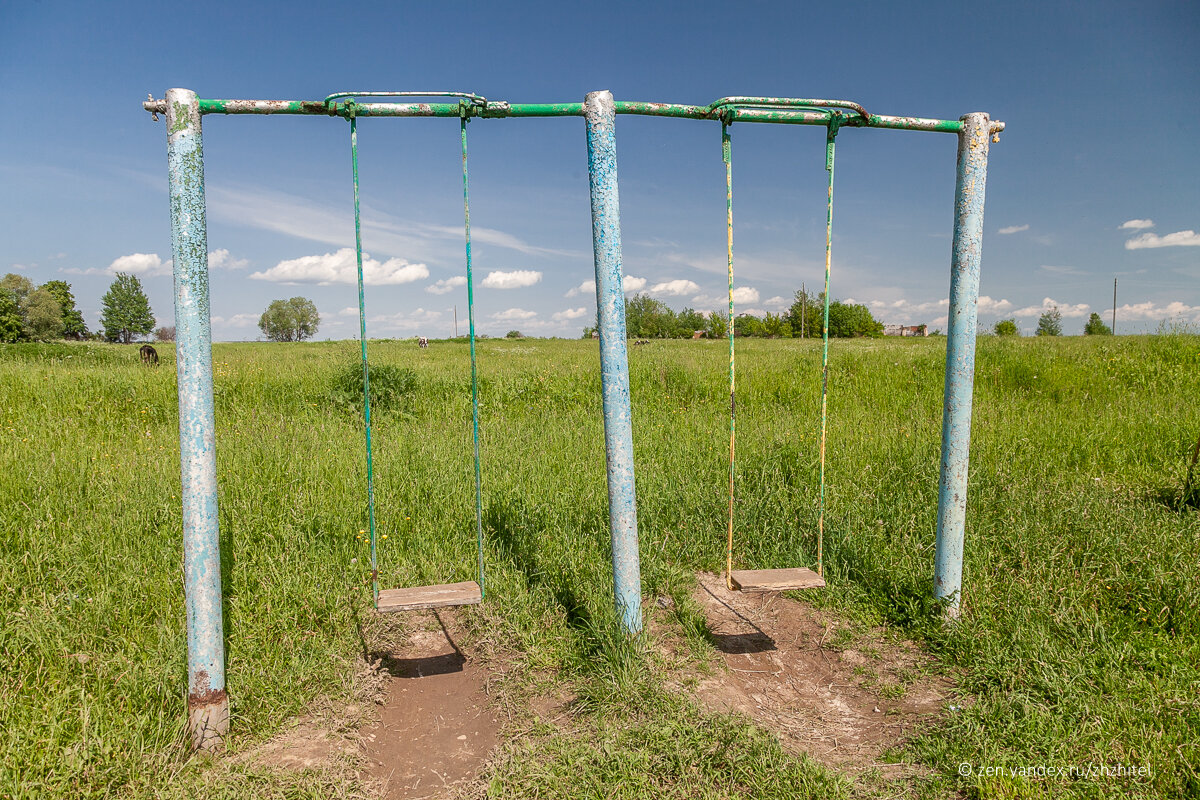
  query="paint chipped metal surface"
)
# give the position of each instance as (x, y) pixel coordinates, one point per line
(208, 704)
(785, 110)
(600, 119)
(967, 251)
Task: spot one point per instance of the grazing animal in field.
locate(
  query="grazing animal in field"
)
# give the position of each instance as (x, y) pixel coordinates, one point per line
(422, 342)
(149, 355)
(699, 334)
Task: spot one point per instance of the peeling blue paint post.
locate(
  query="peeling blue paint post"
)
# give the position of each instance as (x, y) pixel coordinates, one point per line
(208, 704)
(600, 116)
(960, 356)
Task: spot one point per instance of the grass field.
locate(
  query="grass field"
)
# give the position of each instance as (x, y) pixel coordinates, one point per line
(1080, 642)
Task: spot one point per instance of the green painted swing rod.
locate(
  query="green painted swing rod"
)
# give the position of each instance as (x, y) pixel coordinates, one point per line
(785, 110)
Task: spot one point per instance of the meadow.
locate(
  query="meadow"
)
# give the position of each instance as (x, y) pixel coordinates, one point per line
(1079, 643)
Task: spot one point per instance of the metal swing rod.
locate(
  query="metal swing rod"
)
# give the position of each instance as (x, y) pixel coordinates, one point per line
(785, 110)
(778, 579)
(362, 322)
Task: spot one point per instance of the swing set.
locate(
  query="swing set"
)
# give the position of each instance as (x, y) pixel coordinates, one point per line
(208, 702)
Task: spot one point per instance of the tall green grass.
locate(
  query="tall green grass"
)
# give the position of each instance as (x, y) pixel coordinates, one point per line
(1079, 641)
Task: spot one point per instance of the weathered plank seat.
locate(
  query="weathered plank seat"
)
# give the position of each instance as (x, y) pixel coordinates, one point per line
(775, 580)
(446, 594)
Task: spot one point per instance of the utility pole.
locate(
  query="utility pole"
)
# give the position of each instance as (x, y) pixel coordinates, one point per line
(803, 307)
(1114, 325)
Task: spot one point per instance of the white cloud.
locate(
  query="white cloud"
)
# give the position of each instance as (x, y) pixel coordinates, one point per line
(1062, 270)
(745, 294)
(150, 265)
(147, 264)
(1013, 229)
(629, 284)
(587, 287)
(676, 288)
(401, 321)
(515, 279)
(777, 301)
(513, 315)
(905, 311)
(302, 218)
(1177, 239)
(219, 259)
(1136, 224)
(342, 267)
(568, 314)
(1066, 309)
(987, 305)
(1151, 311)
(742, 295)
(754, 312)
(447, 285)
(238, 320)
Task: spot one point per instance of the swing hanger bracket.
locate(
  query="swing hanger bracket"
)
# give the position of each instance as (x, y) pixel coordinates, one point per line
(836, 119)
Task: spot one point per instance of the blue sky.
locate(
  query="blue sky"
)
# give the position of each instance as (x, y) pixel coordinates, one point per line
(1095, 177)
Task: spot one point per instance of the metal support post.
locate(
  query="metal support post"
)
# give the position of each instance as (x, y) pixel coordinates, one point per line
(600, 116)
(960, 356)
(208, 703)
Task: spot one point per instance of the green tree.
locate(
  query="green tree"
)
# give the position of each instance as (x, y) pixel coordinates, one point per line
(748, 325)
(689, 321)
(647, 318)
(805, 315)
(1096, 327)
(717, 324)
(12, 324)
(513, 335)
(777, 326)
(1006, 327)
(848, 320)
(19, 285)
(43, 315)
(291, 320)
(1050, 323)
(125, 310)
(73, 326)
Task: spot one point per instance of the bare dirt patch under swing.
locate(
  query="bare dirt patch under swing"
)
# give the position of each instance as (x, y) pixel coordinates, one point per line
(844, 701)
(435, 729)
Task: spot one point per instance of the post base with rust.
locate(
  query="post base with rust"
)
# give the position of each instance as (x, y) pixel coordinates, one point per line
(208, 719)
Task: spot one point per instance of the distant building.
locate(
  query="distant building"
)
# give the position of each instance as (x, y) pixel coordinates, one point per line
(905, 330)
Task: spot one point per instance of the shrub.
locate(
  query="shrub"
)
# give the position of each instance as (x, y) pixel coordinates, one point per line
(1006, 327)
(389, 387)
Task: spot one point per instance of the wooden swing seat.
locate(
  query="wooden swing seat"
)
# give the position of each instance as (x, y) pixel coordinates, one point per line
(466, 593)
(773, 580)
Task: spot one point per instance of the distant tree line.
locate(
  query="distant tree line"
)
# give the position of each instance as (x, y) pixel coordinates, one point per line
(648, 318)
(47, 312)
(1050, 324)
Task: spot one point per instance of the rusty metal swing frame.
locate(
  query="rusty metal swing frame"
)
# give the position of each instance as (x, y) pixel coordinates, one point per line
(207, 699)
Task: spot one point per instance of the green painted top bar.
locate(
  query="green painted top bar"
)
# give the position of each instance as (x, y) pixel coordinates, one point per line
(794, 111)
